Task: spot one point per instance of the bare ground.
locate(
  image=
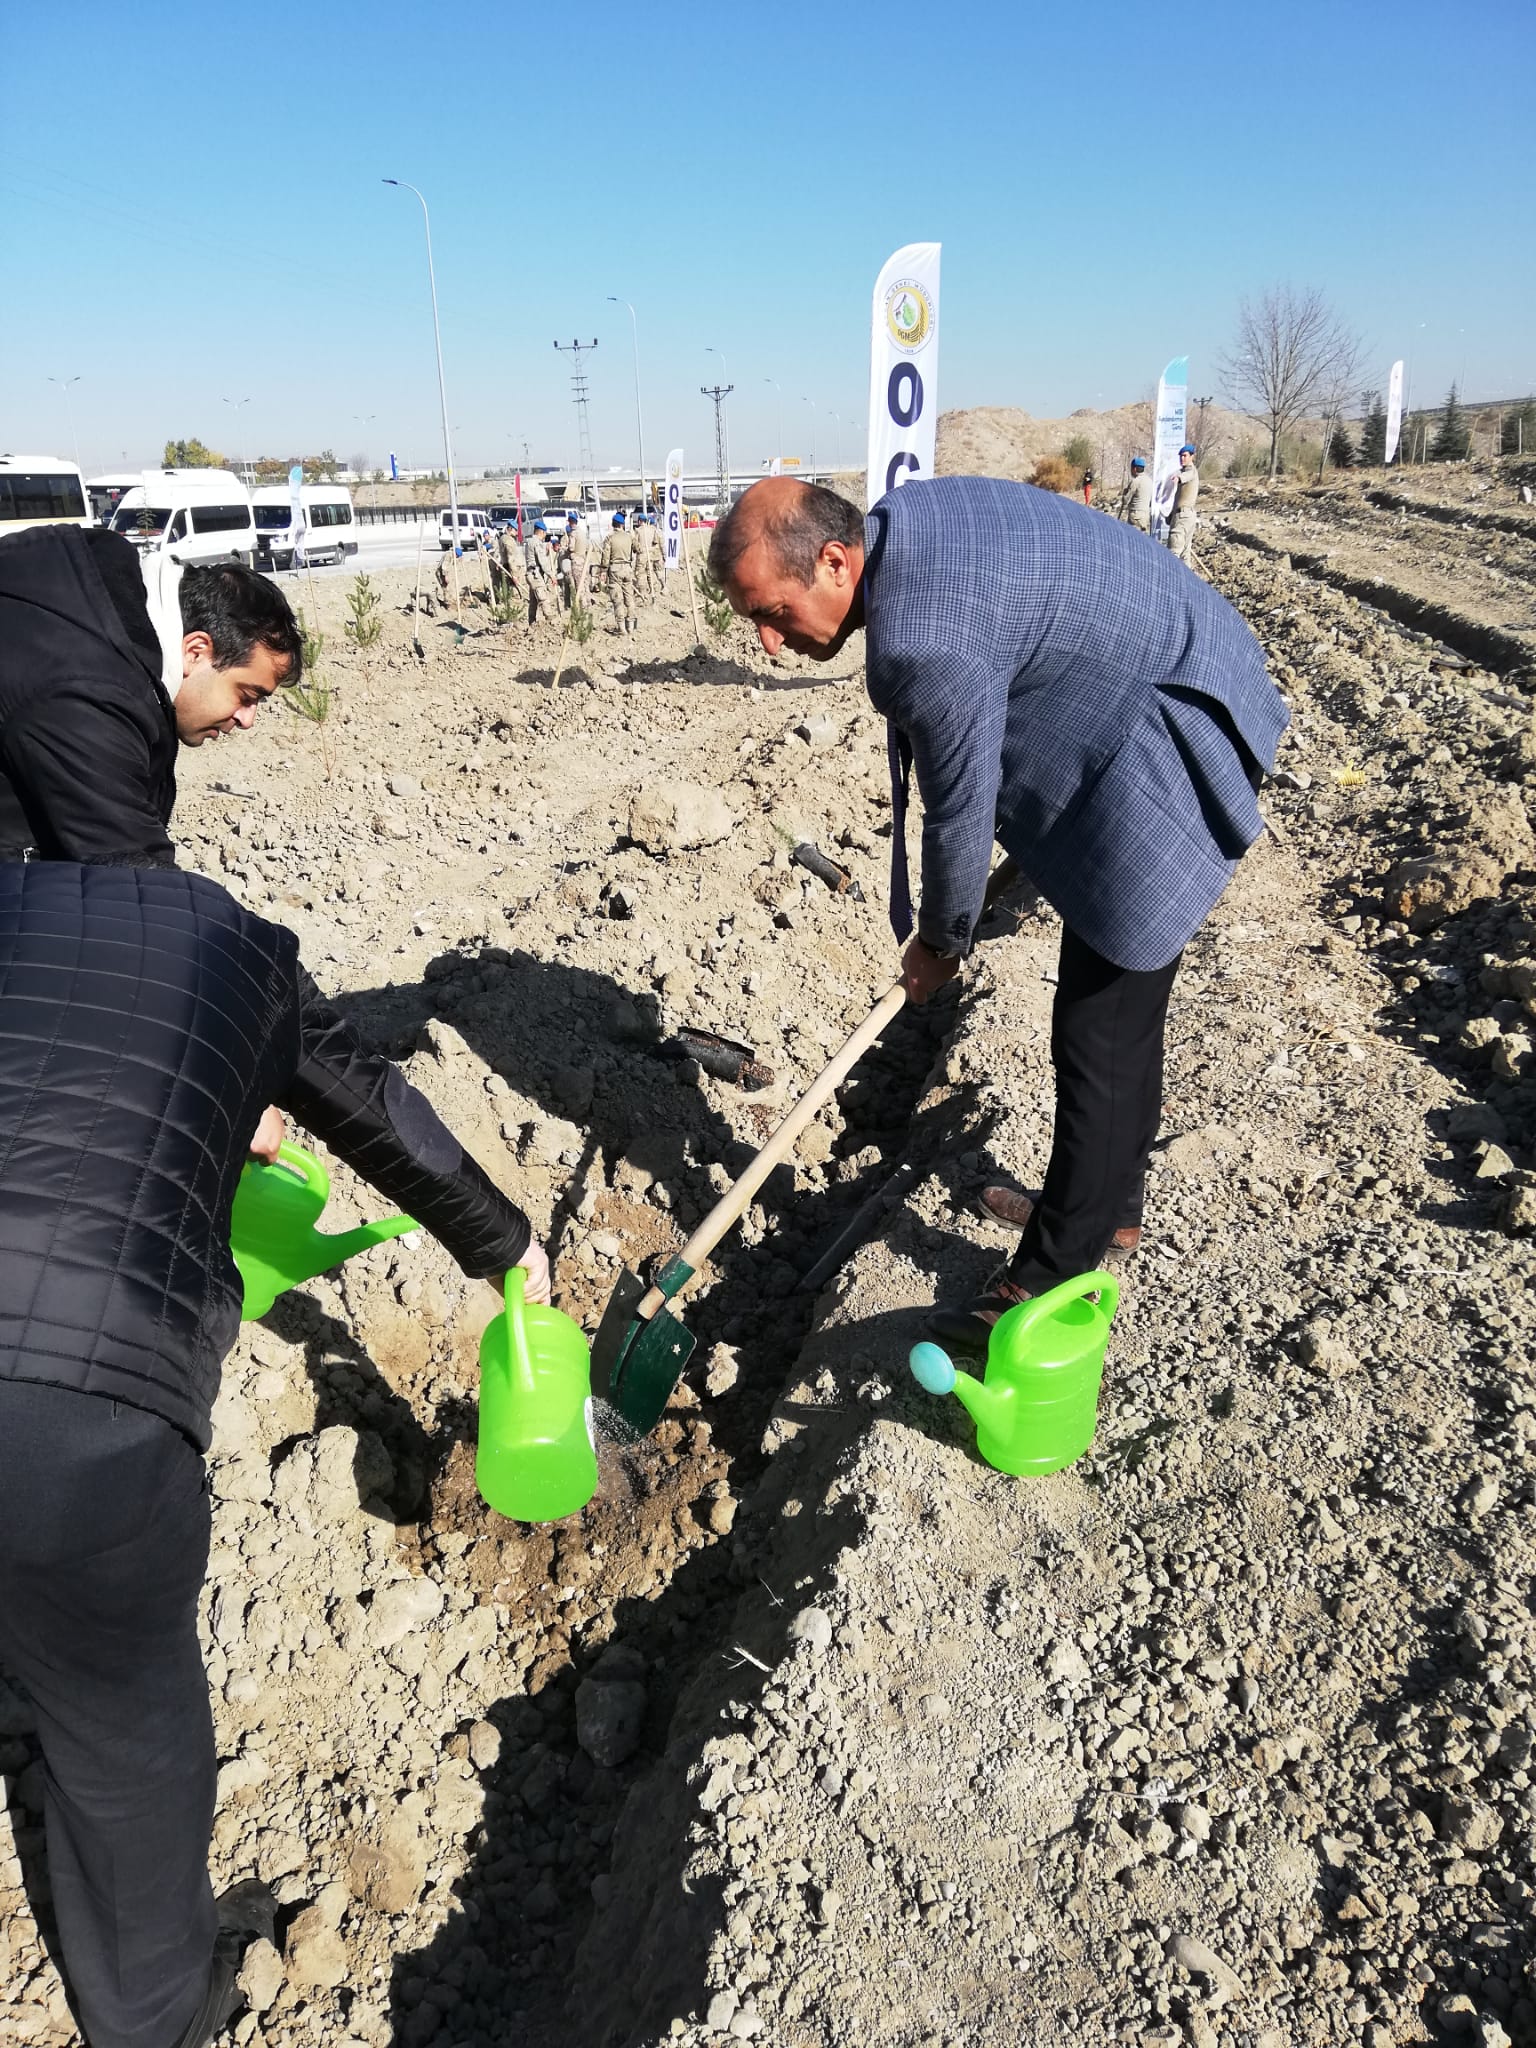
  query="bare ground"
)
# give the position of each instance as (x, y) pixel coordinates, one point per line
(813, 1729)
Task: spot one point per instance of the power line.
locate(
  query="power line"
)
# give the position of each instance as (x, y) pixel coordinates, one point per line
(719, 393)
(576, 350)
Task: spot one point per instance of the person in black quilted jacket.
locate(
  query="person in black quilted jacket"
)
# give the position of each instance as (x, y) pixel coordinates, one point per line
(146, 1019)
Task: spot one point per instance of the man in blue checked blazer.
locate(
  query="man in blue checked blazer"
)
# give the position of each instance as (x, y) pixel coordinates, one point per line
(1067, 688)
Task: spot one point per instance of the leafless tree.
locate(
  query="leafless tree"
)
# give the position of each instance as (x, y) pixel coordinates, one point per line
(1293, 356)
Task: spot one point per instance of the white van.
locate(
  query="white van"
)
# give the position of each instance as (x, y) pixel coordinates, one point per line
(41, 490)
(105, 492)
(474, 527)
(330, 524)
(195, 516)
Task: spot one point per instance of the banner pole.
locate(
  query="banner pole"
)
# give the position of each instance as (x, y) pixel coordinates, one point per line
(903, 370)
(698, 637)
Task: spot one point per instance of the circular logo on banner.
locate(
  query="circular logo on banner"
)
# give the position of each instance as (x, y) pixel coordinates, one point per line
(909, 315)
(674, 469)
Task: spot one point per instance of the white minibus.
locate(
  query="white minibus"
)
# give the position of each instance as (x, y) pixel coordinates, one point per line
(41, 490)
(105, 492)
(330, 524)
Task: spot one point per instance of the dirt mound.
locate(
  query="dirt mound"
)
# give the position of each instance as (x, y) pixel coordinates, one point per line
(999, 440)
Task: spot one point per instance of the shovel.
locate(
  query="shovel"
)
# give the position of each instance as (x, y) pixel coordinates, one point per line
(641, 1348)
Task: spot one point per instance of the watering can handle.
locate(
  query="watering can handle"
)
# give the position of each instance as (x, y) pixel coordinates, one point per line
(1047, 1304)
(517, 1330)
(306, 1167)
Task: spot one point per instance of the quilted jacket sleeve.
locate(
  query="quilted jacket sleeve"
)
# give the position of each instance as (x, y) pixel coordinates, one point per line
(387, 1131)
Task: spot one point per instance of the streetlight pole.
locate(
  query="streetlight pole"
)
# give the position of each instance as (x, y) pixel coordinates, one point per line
(634, 331)
(442, 389)
(780, 418)
(725, 373)
(69, 412)
(245, 459)
(1200, 405)
(812, 404)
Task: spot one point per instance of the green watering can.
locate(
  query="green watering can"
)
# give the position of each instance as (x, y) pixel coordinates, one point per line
(272, 1228)
(535, 1459)
(1038, 1405)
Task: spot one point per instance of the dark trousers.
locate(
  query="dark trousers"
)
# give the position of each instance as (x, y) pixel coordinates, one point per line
(104, 1523)
(1107, 1047)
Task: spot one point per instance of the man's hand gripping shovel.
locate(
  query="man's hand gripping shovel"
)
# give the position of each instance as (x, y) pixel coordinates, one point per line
(641, 1347)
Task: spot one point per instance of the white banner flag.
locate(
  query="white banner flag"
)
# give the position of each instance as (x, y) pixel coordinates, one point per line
(1394, 409)
(904, 369)
(672, 515)
(1172, 415)
(296, 512)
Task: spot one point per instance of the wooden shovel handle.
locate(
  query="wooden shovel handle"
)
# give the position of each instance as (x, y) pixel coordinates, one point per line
(734, 1201)
(736, 1198)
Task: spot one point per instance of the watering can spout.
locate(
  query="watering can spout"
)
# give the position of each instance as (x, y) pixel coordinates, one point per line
(337, 1246)
(935, 1370)
(990, 1407)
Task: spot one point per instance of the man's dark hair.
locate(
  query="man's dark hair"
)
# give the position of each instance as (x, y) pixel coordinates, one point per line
(795, 534)
(240, 610)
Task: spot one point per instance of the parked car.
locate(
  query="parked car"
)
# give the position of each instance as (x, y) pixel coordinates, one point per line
(473, 527)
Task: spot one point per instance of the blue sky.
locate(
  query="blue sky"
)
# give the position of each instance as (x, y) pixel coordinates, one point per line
(191, 209)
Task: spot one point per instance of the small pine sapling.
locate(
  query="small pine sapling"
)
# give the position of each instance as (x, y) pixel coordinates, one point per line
(718, 615)
(365, 628)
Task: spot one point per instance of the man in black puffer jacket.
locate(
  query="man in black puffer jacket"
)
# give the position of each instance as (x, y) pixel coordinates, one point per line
(96, 695)
(145, 1021)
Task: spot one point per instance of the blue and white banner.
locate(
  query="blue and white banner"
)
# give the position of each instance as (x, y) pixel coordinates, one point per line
(672, 514)
(1170, 436)
(394, 468)
(296, 512)
(1394, 410)
(904, 369)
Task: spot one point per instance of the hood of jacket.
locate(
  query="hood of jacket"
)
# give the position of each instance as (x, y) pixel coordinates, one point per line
(57, 617)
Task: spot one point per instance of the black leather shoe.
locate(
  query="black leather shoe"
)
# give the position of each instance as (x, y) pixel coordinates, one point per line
(999, 1202)
(969, 1329)
(247, 1912)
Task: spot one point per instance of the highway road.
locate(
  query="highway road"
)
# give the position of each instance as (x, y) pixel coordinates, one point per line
(379, 547)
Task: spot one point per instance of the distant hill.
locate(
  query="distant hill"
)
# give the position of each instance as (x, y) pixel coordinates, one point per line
(1000, 440)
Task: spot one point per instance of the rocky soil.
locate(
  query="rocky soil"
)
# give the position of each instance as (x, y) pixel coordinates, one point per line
(1450, 549)
(813, 1729)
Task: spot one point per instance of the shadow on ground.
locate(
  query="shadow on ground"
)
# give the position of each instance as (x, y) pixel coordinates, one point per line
(563, 1037)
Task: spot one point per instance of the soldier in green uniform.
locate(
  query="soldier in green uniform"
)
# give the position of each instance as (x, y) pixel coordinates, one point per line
(1135, 506)
(1181, 525)
(618, 562)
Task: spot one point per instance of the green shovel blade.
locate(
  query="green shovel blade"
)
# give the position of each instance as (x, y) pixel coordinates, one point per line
(637, 1361)
(650, 1368)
